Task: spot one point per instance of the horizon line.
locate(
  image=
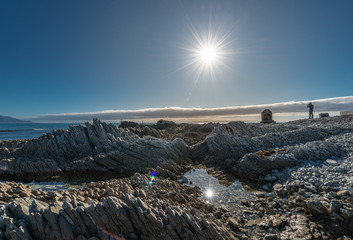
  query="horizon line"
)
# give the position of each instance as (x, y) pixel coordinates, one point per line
(335, 104)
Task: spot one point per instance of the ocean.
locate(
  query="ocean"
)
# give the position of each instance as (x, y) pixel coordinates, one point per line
(29, 130)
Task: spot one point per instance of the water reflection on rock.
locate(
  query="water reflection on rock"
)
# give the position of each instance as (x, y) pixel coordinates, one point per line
(215, 193)
(53, 186)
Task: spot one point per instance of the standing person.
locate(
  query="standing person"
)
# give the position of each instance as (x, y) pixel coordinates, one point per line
(311, 110)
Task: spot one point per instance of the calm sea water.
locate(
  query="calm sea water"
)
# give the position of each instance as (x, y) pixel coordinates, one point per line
(29, 130)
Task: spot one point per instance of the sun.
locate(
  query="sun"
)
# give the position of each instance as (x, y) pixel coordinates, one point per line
(208, 51)
(208, 54)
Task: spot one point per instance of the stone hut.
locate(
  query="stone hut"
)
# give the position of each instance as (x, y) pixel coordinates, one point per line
(266, 116)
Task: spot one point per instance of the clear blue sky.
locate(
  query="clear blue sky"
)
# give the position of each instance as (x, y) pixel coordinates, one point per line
(85, 56)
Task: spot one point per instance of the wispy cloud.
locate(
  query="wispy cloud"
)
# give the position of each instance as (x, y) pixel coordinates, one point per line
(336, 104)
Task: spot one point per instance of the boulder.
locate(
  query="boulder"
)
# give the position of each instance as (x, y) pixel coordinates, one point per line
(335, 206)
(314, 207)
(252, 165)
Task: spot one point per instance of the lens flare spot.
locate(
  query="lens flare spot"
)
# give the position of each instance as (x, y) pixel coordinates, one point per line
(154, 174)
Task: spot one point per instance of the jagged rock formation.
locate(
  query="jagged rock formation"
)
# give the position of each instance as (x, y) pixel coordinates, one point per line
(133, 211)
(236, 145)
(129, 219)
(142, 131)
(311, 198)
(190, 133)
(94, 147)
(100, 147)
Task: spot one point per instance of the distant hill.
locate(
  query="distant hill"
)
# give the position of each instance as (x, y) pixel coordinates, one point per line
(5, 119)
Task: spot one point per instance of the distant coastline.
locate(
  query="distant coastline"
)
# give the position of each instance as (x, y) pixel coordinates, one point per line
(7, 119)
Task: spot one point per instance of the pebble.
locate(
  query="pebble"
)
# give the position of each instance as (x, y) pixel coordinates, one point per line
(342, 193)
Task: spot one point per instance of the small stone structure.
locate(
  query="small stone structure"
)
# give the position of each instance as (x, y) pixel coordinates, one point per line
(266, 116)
(323, 115)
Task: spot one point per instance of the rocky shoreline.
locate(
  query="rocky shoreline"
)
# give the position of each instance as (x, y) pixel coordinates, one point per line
(303, 170)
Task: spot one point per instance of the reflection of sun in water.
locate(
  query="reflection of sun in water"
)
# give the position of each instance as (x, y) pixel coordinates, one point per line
(209, 193)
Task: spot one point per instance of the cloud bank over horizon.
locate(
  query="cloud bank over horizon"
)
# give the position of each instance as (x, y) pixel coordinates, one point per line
(295, 108)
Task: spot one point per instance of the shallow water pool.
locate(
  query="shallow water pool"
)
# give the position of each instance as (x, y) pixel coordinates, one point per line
(53, 186)
(214, 192)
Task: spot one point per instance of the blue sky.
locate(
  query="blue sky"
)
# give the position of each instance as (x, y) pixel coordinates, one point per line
(89, 56)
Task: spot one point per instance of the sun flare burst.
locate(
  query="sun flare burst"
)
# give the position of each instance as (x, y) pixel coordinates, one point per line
(208, 52)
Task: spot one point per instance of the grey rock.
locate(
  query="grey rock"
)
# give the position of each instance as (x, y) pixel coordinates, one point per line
(233, 223)
(347, 213)
(314, 207)
(330, 161)
(335, 206)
